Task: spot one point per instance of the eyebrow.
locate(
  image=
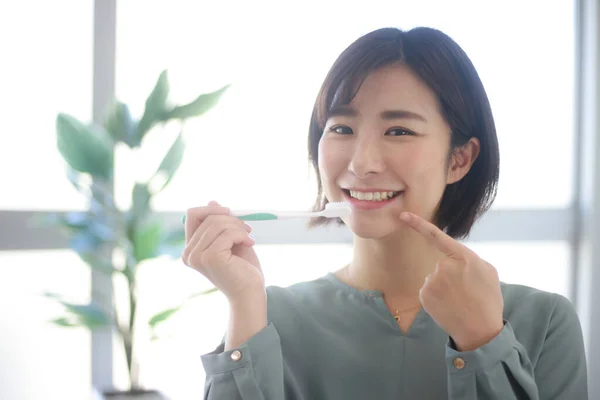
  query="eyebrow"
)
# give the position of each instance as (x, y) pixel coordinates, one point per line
(345, 111)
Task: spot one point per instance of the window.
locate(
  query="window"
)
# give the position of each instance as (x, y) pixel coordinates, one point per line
(542, 265)
(248, 152)
(57, 358)
(46, 69)
(251, 150)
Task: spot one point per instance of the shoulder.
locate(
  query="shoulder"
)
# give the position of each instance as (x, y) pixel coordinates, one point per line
(307, 295)
(301, 291)
(521, 298)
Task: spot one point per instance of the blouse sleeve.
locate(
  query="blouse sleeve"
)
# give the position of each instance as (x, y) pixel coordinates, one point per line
(502, 368)
(253, 371)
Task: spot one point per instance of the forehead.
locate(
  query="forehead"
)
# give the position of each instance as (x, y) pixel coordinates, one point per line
(395, 87)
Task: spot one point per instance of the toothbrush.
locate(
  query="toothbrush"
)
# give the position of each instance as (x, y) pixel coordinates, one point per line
(332, 210)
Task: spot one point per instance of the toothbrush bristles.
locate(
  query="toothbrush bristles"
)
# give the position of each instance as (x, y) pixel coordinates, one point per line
(336, 210)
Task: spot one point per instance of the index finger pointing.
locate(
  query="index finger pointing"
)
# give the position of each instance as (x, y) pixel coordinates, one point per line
(434, 235)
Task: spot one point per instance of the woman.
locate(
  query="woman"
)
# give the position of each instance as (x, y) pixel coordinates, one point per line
(402, 130)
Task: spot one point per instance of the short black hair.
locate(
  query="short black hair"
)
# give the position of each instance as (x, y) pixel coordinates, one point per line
(443, 65)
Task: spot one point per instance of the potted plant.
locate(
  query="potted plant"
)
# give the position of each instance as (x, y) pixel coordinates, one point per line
(136, 234)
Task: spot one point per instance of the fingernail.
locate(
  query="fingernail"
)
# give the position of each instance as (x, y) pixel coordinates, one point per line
(405, 217)
(248, 227)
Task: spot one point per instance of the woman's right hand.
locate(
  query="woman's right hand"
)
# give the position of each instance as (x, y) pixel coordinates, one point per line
(219, 246)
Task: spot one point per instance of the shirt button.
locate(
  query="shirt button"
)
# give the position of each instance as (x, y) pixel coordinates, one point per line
(459, 363)
(236, 355)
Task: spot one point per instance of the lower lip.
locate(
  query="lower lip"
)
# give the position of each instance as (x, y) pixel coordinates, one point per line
(368, 204)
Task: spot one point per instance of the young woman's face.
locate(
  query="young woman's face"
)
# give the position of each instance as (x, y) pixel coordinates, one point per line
(388, 151)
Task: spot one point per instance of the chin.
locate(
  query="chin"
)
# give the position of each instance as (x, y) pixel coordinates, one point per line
(371, 230)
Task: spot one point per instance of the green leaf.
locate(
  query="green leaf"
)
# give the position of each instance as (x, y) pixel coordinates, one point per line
(201, 105)
(86, 232)
(173, 243)
(120, 125)
(85, 149)
(85, 242)
(147, 240)
(175, 237)
(71, 222)
(140, 201)
(74, 176)
(156, 107)
(64, 322)
(90, 315)
(170, 164)
(168, 313)
(162, 316)
(204, 293)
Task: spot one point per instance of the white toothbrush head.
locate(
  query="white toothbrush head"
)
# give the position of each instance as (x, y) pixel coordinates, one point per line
(339, 209)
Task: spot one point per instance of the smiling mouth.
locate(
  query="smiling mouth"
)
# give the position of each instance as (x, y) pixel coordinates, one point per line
(371, 196)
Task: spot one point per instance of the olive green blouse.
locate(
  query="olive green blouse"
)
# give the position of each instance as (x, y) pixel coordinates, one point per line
(328, 340)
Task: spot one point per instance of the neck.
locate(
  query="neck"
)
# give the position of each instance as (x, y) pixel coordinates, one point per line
(396, 266)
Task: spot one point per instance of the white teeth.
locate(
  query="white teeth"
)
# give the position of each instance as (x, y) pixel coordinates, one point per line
(372, 196)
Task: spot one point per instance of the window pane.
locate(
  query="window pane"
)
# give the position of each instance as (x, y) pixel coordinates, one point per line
(46, 69)
(543, 265)
(42, 361)
(251, 151)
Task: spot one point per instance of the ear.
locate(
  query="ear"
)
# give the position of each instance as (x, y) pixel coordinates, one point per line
(462, 160)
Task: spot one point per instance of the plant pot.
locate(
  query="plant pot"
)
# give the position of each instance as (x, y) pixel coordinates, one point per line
(134, 395)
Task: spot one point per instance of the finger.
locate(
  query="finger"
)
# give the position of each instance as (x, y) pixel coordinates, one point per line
(448, 265)
(211, 203)
(434, 235)
(427, 278)
(424, 291)
(196, 215)
(204, 238)
(211, 227)
(219, 248)
(230, 238)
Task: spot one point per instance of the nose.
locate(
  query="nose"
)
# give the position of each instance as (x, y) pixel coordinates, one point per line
(367, 158)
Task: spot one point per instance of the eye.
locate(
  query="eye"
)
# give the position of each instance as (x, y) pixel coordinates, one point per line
(399, 132)
(341, 129)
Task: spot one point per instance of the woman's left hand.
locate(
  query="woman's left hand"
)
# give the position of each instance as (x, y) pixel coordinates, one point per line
(463, 293)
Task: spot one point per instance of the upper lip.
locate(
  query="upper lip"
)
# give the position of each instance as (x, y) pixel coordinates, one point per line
(371, 190)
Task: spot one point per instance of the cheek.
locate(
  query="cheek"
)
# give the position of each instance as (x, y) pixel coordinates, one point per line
(330, 159)
(427, 168)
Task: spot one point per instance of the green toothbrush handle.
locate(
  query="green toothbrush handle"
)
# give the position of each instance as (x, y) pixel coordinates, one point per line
(250, 217)
(257, 217)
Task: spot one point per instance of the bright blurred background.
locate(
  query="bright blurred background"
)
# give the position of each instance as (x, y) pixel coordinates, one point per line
(250, 152)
